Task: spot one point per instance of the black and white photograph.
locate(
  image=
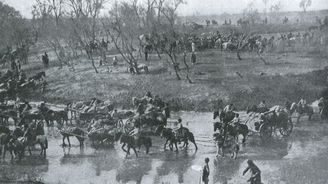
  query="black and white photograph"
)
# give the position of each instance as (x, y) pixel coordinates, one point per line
(163, 92)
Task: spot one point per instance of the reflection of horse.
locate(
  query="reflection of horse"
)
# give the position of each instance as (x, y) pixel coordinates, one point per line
(182, 135)
(133, 143)
(301, 110)
(230, 145)
(178, 164)
(133, 170)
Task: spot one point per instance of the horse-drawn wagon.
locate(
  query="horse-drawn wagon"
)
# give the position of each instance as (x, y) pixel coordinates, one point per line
(277, 118)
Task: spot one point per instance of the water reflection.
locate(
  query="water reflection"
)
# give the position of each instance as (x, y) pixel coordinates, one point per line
(105, 160)
(29, 169)
(177, 163)
(224, 169)
(74, 158)
(133, 170)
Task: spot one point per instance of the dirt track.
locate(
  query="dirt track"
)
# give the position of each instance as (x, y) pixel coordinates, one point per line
(301, 158)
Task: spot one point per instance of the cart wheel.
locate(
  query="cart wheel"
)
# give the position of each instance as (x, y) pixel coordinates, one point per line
(287, 129)
(265, 131)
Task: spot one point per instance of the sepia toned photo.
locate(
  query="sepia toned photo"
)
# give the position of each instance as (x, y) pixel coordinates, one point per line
(163, 91)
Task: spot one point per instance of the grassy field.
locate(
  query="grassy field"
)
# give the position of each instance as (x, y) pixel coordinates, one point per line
(216, 75)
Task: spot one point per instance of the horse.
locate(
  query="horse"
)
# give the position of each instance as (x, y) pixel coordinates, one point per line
(32, 136)
(133, 143)
(102, 137)
(136, 101)
(72, 131)
(256, 109)
(300, 110)
(31, 117)
(235, 131)
(230, 145)
(5, 137)
(4, 129)
(174, 138)
(9, 113)
(36, 136)
(50, 116)
(225, 117)
(323, 108)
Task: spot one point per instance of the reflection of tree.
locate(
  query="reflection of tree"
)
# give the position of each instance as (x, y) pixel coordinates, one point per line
(133, 170)
(176, 163)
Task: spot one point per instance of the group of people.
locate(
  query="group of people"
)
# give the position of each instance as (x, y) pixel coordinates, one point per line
(251, 166)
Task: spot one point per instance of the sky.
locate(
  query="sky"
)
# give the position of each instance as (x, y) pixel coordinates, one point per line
(202, 7)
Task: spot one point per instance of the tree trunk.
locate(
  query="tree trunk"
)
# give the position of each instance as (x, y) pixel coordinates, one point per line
(175, 66)
(238, 55)
(187, 67)
(177, 74)
(93, 63)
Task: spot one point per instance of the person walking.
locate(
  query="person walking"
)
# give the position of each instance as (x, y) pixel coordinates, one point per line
(255, 171)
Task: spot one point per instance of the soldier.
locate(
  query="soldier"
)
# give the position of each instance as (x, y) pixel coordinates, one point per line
(206, 171)
(255, 171)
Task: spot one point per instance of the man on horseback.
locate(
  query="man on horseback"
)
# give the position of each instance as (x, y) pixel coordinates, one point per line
(228, 108)
(255, 171)
(302, 104)
(141, 109)
(26, 107)
(262, 105)
(135, 133)
(236, 120)
(167, 110)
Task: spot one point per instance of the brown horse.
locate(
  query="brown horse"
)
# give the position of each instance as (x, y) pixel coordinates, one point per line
(230, 145)
(301, 110)
(234, 131)
(72, 131)
(183, 134)
(133, 142)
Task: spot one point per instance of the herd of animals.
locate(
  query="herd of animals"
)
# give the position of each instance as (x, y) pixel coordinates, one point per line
(233, 41)
(104, 125)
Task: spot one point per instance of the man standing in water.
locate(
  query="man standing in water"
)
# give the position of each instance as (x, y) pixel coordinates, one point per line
(206, 171)
(255, 171)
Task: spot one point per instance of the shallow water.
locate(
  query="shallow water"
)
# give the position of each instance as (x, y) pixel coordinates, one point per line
(281, 160)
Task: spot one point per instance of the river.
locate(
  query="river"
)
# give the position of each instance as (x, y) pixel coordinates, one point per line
(300, 158)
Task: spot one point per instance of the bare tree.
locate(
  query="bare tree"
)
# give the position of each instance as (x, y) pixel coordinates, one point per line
(49, 13)
(275, 9)
(304, 4)
(124, 27)
(265, 6)
(84, 15)
(252, 14)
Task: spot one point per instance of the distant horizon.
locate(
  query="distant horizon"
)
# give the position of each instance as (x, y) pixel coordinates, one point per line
(203, 7)
(259, 12)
